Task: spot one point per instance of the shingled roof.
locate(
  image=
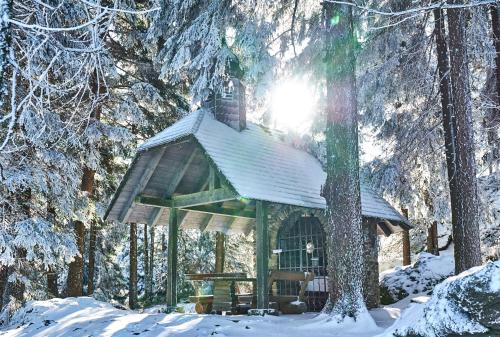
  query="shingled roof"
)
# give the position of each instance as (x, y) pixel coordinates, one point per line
(257, 165)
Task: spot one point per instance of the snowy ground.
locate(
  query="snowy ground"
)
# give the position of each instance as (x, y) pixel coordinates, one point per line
(78, 317)
(444, 311)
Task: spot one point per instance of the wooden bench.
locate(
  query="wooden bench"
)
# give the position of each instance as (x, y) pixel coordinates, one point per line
(290, 304)
(224, 298)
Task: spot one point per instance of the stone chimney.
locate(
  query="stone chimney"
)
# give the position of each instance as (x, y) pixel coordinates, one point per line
(228, 102)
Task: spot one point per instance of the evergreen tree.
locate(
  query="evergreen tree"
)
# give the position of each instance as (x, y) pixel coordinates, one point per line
(342, 191)
(463, 192)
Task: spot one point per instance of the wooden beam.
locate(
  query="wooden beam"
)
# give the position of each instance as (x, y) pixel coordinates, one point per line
(262, 252)
(172, 186)
(153, 201)
(173, 230)
(222, 211)
(182, 216)
(211, 178)
(188, 200)
(204, 224)
(146, 175)
(228, 225)
(204, 197)
(385, 228)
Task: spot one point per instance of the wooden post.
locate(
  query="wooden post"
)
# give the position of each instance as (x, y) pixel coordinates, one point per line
(432, 239)
(406, 242)
(132, 286)
(220, 239)
(262, 255)
(173, 229)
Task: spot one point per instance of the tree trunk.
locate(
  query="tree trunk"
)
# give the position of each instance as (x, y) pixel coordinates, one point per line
(52, 277)
(495, 27)
(432, 239)
(151, 260)
(91, 266)
(52, 282)
(3, 283)
(74, 282)
(146, 266)
(15, 287)
(75, 272)
(492, 120)
(371, 289)
(344, 235)
(132, 285)
(463, 191)
(406, 241)
(5, 38)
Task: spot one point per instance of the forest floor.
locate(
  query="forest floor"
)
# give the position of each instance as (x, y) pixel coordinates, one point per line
(84, 316)
(87, 317)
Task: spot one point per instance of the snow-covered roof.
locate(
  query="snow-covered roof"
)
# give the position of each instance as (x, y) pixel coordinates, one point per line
(259, 166)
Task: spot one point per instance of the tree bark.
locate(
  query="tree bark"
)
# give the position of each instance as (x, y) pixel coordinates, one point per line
(132, 286)
(344, 235)
(151, 260)
(406, 241)
(5, 41)
(432, 239)
(52, 280)
(495, 27)
(52, 277)
(463, 191)
(492, 119)
(74, 282)
(3, 283)
(371, 289)
(146, 265)
(91, 266)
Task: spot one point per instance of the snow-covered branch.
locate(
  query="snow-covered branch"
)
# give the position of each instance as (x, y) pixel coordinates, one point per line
(420, 9)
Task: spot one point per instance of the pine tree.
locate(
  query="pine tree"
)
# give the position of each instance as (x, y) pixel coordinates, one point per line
(342, 191)
(463, 191)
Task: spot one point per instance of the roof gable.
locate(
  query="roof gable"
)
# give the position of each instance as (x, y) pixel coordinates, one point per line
(261, 167)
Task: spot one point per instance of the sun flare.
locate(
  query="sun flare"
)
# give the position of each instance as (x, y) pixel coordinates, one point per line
(293, 105)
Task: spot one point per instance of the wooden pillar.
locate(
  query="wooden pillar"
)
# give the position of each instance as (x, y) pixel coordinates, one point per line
(220, 239)
(132, 285)
(432, 239)
(173, 230)
(406, 242)
(262, 253)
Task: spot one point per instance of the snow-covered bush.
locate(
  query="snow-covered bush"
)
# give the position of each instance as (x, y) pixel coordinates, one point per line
(420, 277)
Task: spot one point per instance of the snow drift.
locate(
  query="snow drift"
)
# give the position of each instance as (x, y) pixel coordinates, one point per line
(467, 305)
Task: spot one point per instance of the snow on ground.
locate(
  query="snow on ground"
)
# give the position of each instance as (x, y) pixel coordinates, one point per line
(420, 277)
(84, 316)
(445, 310)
